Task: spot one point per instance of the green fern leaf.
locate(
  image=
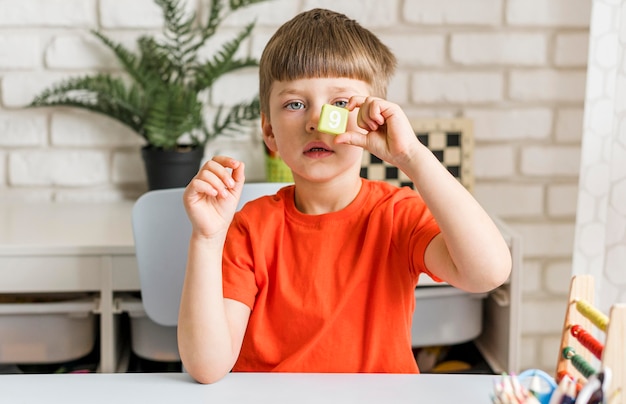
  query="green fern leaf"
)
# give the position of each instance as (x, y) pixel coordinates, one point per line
(174, 111)
(102, 93)
(222, 63)
(238, 116)
(237, 4)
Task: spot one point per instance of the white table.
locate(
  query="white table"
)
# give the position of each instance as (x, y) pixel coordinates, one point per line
(71, 247)
(257, 388)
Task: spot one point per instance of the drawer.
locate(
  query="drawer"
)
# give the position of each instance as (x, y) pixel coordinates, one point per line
(149, 340)
(445, 315)
(46, 332)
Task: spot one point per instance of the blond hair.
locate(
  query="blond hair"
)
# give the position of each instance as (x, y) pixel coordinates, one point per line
(324, 43)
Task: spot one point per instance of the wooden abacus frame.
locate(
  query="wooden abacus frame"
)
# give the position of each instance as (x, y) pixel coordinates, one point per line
(582, 287)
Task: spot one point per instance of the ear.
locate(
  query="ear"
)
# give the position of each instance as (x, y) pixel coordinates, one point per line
(268, 133)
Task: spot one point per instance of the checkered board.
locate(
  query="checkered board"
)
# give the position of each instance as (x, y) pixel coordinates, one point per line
(450, 140)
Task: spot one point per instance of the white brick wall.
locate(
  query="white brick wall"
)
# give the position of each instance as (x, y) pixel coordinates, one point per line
(511, 200)
(547, 85)
(22, 129)
(551, 160)
(571, 49)
(458, 88)
(553, 13)
(84, 129)
(19, 52)
(48, 13)
(58, 167)
(494, 162)
(425, 50)
(130, 14)
(453, 12)
(499, 48)
(73, 52)
(511, 123)
(517, 68)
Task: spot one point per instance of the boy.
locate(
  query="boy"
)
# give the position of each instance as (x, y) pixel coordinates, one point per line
(320, 277)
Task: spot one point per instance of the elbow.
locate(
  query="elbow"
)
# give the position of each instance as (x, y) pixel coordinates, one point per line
(488, 275)
(204, 369)
(206, 376)
(209, 378)
(499, 271)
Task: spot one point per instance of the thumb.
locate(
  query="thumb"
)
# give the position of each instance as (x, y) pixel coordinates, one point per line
(239, 172)
(352, 138)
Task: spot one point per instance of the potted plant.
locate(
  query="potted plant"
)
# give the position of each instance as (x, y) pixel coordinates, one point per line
(161, 96)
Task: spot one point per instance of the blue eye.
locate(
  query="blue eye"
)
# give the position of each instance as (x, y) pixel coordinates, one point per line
(341, 104)
(295, 105)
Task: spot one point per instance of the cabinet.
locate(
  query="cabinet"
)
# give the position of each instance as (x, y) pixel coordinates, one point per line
(88, 247)
(65, 248)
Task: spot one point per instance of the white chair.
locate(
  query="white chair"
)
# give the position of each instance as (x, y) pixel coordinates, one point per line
(161, 233)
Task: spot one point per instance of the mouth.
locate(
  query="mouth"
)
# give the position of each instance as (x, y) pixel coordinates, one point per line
(317, 149)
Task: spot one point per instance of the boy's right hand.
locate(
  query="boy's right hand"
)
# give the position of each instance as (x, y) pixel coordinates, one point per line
(211, 197)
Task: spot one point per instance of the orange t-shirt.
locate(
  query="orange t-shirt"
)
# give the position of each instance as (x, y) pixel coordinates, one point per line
(331, 292)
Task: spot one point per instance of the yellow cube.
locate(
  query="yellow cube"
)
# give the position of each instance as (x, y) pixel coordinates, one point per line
(333, 119)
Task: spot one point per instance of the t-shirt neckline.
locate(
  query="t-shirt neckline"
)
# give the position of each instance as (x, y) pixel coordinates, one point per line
(353, 207)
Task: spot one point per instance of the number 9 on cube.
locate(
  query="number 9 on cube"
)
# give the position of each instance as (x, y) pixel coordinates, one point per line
(333, 119)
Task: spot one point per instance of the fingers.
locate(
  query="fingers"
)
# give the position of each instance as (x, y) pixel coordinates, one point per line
(370, 116)
(219, 176)
(238, 173)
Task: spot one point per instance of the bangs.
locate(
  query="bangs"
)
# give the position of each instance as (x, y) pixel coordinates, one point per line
(329, 59)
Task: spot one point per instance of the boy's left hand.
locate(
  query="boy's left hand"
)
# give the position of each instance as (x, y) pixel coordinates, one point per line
(389, 135)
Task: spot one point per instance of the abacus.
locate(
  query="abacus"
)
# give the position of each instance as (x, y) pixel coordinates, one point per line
(579, 347)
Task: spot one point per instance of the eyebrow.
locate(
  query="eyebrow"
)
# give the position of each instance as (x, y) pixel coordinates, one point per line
(339, 89)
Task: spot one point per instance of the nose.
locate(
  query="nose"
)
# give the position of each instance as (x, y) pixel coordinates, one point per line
(313, 119)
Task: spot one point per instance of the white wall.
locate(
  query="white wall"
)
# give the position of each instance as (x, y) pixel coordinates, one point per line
(600, 242)
(516, 67)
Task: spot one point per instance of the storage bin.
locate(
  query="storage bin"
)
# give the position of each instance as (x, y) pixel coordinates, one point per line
(148, 339)
(46, 330)
(445, 315)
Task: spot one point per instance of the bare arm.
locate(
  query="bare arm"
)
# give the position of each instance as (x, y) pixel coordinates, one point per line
(470, 253)
(210, 327)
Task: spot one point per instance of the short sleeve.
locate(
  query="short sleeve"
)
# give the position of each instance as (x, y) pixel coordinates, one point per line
(238, 278)
(417, 227)
(421, 240)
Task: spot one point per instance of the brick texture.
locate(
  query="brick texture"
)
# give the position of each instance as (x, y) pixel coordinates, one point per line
(501, 49)
(48, 13)
(20, 52)
(453, 12)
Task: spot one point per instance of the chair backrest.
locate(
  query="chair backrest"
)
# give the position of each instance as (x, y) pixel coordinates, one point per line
(161, 231)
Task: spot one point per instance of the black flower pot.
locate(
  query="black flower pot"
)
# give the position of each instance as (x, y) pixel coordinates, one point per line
(171, 168)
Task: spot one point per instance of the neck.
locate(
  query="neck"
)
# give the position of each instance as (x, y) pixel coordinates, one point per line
(327, 197)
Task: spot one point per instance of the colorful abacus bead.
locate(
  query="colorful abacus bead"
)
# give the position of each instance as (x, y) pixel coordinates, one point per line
(587, 340)
(578, 361)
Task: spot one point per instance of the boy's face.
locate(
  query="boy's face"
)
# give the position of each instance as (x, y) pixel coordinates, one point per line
(291, 128)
